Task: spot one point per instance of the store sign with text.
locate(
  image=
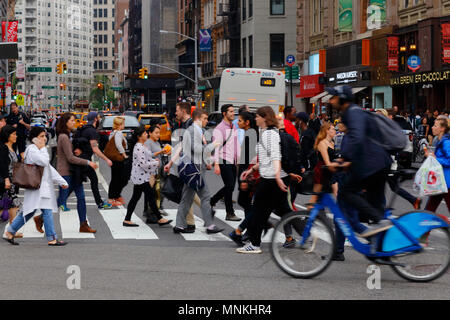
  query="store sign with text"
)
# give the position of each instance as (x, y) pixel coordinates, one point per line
(9, 31)
(429, 77)
(345, 77)
(446, 42)
(393, 64)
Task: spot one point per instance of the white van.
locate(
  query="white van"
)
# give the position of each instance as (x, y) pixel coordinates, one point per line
(253, 87)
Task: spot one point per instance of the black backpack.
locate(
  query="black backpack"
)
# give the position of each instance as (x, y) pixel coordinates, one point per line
(79, 142)
(290, 153)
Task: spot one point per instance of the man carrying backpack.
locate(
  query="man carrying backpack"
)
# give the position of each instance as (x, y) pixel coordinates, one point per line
(89, 136)
(368, 162)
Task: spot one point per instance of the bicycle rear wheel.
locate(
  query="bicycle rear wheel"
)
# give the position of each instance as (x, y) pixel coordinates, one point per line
(309, 260)
(429, 264)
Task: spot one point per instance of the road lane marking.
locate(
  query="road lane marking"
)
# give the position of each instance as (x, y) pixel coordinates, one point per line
(114, 220)
(28, 230)
(70, 226)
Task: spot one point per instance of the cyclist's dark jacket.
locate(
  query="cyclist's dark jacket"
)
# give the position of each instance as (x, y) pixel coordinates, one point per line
(366, 157)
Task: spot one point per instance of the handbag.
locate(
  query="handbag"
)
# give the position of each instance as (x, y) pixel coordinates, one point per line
(27, 176)
(173, 188)
(190, 175)
(111, 151)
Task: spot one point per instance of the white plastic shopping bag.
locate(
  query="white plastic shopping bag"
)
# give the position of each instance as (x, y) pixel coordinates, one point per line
(430, 179)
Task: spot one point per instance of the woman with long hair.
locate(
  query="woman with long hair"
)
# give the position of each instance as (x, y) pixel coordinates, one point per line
(143, 166)
(272, 192)
(118, 181)
(44, 198)
(9, 156)
(442, 154)
(67, 159)
(324, 147)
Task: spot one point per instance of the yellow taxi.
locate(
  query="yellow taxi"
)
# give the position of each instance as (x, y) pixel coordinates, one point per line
(149, 120)
(78, 119)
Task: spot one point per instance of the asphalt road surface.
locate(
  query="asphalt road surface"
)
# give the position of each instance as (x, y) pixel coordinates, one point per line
(154, 263)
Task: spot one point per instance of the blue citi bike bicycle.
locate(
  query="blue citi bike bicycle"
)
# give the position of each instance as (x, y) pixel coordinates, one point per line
(417, 246)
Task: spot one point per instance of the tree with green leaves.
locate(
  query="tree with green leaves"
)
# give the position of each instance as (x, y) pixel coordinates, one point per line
(100, 99)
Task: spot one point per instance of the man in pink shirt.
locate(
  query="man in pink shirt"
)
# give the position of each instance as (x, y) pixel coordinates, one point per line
(289, 118)
(226, 158)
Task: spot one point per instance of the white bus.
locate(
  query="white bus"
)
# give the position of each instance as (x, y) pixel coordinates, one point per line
(253, 87)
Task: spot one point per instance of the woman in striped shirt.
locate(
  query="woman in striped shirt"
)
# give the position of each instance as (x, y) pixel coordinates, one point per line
(272, 191)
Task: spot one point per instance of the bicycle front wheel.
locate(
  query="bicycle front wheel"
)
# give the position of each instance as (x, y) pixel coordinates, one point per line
(308, 260)
(430, 263)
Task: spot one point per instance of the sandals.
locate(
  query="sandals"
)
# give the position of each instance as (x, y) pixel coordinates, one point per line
(11, 241)
(57, 244)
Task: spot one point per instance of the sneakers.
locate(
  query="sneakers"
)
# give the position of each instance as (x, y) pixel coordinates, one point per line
(232, 217)
(289, 243)
(249, 249)
(105, 205)
(381, 226)
(121, 200)
(236, 238)
(63, 208)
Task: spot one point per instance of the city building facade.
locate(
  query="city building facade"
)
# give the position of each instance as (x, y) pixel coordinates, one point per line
(376, 47)
(104, 21)
(51, 32)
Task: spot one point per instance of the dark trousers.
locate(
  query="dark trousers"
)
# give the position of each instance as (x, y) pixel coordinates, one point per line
(268, 198)
(117, 180)
(372, 205)
(434, 202)
(137, 193)
(393, 184)
(92, 175)
(228, 173)
(245, 201)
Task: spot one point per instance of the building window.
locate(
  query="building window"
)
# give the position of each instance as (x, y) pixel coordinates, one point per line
(277, 50)
(250, 51)
(316, 16)
(244, 53)
(277, 7)
(244, 10)
(250, 8)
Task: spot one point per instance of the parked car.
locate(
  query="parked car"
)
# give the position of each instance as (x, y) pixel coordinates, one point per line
(106, 127)
(78, 118)
(216, 117)
(149, 120)
(38, 122)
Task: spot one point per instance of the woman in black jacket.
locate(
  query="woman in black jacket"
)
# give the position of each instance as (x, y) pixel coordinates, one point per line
(8, 157)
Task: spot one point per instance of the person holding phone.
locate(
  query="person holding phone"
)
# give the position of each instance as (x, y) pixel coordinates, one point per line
(44, 198)
(21, 122)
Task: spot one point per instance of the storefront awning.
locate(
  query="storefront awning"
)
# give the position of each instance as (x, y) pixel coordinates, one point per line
(356, 90)
(316, 98)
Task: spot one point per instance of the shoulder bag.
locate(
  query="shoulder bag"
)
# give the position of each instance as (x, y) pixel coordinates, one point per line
(27, 176)
(111, 151)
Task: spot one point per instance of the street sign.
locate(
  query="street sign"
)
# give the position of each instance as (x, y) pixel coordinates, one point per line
(48, 87)
(292, 73)
(53, 97)
(414, 63)
(116, 88)
(39, 69)
(290, 60)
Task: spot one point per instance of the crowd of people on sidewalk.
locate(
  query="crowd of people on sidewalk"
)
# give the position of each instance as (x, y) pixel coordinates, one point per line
(267, 156)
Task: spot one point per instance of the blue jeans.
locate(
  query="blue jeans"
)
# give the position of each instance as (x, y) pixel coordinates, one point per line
(47, 214)
(79, 192)
(352, 217)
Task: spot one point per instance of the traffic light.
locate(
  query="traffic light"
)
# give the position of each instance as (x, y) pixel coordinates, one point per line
(59, 68)
(64, 67)
(14, 94)
(203, 104)
(100, 86)
(141, 73)
(64, 86)
(145, 73)
(61, 86)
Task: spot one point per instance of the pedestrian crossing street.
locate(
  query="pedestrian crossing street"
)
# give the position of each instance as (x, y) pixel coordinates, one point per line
(113, 218)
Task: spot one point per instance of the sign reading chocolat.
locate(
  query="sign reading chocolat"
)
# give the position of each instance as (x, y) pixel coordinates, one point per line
(437, 76)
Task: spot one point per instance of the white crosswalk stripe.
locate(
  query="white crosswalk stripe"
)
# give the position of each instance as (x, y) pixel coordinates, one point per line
(114, 220)
(70, 225)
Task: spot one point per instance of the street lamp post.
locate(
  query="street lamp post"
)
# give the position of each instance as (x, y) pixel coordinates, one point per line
(195, 39)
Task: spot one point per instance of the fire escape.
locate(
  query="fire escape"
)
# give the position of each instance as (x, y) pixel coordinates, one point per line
(232, 32)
